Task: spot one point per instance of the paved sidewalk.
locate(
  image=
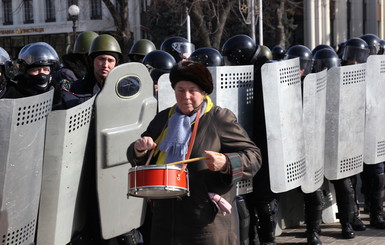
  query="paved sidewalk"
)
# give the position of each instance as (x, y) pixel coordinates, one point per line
(331, 234)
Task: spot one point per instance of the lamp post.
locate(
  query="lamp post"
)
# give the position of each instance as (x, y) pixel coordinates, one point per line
(73, 11)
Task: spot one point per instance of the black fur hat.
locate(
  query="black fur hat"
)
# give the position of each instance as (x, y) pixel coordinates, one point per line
(194, 72)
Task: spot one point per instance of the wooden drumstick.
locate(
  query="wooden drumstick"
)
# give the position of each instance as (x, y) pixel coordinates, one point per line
(188, 160)
(149, 157)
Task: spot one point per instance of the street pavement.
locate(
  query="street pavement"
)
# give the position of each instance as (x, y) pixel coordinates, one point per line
(331, 234)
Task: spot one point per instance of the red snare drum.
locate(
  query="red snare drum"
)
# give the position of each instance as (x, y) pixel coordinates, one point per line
(158, 181)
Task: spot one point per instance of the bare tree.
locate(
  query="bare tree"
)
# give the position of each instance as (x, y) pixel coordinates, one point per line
(119, 13)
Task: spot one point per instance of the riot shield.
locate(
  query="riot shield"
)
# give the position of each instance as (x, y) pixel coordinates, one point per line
(375, 107)
(124, 108)
(345, 121)
(22, 132)
(281, 84)
(314, 109)
(62, 201)
(166, 95)
(233, 89)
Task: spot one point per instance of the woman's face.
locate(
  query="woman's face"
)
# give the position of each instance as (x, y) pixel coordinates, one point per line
(188, 96)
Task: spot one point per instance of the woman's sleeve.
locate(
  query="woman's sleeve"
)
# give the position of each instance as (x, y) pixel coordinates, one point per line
(244, 156)
(153, 130)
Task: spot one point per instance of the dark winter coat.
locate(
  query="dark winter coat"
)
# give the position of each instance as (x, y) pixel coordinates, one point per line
(195, 219)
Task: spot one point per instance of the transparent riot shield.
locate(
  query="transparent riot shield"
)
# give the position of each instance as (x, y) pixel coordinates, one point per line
(314, 109)
(63, 201)
(345, 121)
(375, 108)
(281, 84)
(124, 108)
(22, 132)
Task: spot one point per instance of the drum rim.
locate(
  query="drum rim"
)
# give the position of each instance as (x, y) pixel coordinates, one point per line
(156, 166)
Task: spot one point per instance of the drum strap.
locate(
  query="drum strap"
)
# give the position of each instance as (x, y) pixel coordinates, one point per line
(192, 139)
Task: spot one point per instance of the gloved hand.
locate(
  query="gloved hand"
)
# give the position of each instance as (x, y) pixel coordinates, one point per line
(221, 203)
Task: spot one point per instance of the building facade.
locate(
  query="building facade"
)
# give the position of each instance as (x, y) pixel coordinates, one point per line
(28, 21)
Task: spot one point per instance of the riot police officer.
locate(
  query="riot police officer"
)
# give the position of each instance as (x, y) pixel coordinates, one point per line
(373, 42)
(325, 59)
(179, 47)
(319, 47)
(207, 57)
(158, 63)
(5, 71)
(140, 49)
(262, 203)
(239, 50)
(278, 52)
(372, 177)
(353, 51)
(313, 201)
(104, 54)
(75, 64)
(36, 64)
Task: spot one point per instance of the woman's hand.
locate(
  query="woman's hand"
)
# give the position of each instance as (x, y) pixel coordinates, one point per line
(143, 144)
(216, 161)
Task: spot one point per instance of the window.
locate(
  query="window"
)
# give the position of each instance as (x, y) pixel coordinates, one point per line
(7, 12)
(50, 11)
(28, 11)
(96, 9)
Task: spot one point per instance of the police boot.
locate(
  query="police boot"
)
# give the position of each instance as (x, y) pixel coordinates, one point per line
(313, 216)
(376, 201)
(244, 220)
(357, 223)
(345, 203)
(267, 216)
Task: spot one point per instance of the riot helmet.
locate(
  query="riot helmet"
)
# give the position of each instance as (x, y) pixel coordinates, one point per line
(207, 57)
(319, 47)
(83, 42)
(105, 44)
(278, 52)
(325, 58)
(140, 49)
(179, 47)
(373, 42)
(304, 55)
(264, 53)
(158, 62)
(5, 68)
(6, 63)
(240, 50)
(382, 47)
(34, 55)
(356, 50)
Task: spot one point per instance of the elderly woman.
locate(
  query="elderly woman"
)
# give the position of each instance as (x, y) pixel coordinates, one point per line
(229, 157)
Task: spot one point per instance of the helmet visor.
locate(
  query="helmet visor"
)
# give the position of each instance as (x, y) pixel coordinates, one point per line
(354, 54)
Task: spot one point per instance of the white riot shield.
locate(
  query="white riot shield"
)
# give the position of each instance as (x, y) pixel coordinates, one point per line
(233, 89)
(375, 108)
(166, 94)
(124, 108)
(345, 121)
(62, 202)
(281, 84)
(314, 109)
(22, 132)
